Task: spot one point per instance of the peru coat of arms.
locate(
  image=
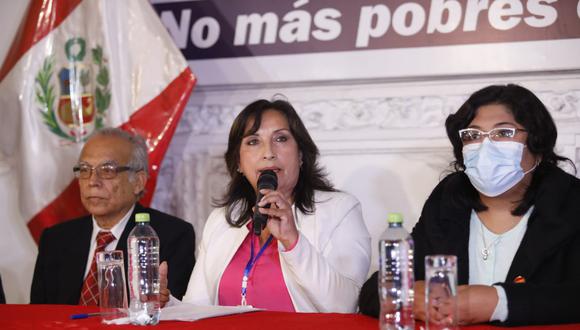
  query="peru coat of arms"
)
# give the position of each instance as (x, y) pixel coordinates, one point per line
(75, 106)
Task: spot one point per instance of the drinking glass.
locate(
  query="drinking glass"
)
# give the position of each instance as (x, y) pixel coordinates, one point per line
(441, 292)
(112, 289)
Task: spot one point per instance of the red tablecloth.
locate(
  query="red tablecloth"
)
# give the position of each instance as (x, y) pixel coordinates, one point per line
(58, 317)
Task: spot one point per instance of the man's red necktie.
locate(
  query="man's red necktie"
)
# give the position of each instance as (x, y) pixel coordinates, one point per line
(90, 291)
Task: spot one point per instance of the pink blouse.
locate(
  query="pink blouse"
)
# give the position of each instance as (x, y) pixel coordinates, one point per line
(266, 287)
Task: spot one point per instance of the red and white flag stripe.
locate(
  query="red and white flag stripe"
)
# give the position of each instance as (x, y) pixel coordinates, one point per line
(115, 65)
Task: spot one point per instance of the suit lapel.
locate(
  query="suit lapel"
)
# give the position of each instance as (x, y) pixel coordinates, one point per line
(74, 263)
(122, 241)
(546, 225)
(455, 230)
(457, 236)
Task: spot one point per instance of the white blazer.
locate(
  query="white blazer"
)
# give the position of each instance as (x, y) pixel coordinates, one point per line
(323, 272)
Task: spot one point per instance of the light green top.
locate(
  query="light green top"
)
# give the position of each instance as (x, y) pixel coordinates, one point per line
(142, 217)
(395, 218)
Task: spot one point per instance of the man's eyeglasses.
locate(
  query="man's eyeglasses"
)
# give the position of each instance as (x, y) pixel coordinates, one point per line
(103, 171)
(473, 135)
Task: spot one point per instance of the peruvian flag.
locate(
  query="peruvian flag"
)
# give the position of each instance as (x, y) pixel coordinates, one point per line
(77, 66)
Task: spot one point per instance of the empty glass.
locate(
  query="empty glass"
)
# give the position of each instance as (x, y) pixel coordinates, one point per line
(112, 289)
(441, 292)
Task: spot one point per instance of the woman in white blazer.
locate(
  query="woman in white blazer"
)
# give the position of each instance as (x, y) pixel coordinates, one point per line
(319, 245)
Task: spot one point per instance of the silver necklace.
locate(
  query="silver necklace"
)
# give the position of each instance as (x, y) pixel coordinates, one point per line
(485, 252)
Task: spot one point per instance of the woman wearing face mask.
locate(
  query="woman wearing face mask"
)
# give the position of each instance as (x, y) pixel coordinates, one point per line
(509, 214)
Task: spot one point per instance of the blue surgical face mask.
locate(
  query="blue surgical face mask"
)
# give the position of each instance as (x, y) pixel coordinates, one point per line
(494, 167)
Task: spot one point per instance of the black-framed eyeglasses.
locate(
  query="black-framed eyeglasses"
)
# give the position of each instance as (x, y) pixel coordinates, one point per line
(474, 135)
(103, 171)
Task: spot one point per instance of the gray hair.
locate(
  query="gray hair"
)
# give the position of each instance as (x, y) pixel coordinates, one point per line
(139, 158)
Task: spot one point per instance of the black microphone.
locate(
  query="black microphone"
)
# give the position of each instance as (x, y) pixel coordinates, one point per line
(267, 180)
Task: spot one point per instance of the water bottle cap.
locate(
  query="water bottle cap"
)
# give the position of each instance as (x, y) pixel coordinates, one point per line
(395, 218)
(142, 217)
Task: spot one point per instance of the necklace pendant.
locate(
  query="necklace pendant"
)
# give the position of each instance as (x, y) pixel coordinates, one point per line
(484, 253)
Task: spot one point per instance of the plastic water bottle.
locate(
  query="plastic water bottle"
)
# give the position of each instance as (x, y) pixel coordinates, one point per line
(396, 279)
(144, 284)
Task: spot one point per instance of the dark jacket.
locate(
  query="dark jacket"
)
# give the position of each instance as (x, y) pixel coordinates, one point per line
(63, 251)
(2, 297)
(548, 257)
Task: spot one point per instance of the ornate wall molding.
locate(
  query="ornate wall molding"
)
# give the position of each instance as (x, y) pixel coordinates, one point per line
(379, 113)
(385, 132)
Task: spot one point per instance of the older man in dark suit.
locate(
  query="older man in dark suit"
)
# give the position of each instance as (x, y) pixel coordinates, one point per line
(112, 173)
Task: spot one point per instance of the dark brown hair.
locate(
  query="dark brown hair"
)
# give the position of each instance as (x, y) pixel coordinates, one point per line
(529, 112)
(240, 193)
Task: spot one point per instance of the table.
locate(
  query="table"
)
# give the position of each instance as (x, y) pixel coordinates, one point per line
(57, 317)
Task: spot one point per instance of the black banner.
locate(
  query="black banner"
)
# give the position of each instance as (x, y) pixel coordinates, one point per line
(238, 28)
